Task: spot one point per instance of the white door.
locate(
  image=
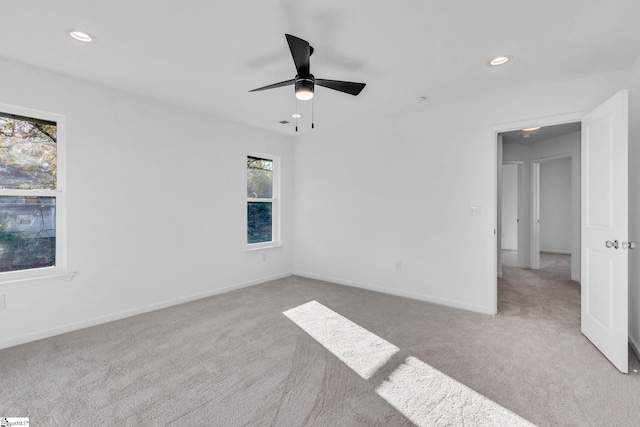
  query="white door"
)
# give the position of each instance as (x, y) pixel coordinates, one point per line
(605, 229)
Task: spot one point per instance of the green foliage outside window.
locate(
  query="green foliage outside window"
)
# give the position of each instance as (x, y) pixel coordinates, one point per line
(259, 210)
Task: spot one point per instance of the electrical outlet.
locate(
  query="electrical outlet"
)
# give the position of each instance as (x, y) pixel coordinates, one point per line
(2, 302)
(398, 266)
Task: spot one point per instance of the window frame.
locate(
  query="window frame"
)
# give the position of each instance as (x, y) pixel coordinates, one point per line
(274, 200)
(59, 270)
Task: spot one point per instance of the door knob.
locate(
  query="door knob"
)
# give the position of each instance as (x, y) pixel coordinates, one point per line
(611, 244)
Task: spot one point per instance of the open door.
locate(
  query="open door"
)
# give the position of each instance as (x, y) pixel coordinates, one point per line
(604, 268)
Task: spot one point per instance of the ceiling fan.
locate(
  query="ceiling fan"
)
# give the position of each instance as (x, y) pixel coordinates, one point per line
(304, 81)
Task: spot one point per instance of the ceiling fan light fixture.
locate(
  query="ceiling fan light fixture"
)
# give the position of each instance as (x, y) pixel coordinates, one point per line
(304, 94)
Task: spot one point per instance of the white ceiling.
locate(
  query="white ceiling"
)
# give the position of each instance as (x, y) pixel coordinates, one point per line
(206, 56)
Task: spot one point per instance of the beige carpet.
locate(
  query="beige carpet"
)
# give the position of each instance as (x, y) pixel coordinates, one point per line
(236, 360)
(430, 398)
(359, 349)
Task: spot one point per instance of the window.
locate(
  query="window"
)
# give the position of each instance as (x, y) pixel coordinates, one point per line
(262, 201)
(30, 194)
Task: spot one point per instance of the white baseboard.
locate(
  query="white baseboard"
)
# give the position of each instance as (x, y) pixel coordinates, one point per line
(421, 297)
(552, 251)
(634, 346)
(133, 312)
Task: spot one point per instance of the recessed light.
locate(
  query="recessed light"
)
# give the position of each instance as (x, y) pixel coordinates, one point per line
(81, 36)
(419, 99)
(296, 115)
(531, 129)
(500, 60)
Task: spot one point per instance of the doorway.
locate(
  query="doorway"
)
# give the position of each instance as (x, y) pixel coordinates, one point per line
(603, 228)
(541, 165)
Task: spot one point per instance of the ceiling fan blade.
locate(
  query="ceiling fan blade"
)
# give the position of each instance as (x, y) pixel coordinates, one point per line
(301, 52)
(347, 87)
(275, 85)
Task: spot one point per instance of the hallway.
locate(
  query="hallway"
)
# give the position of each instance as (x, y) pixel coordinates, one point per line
(547, 293)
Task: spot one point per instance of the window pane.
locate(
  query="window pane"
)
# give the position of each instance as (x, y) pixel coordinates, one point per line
(28, 158)
(27, 232)
(259, 178)
(259, 222)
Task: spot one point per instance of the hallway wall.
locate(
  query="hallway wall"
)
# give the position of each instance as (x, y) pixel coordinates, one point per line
(555, 206)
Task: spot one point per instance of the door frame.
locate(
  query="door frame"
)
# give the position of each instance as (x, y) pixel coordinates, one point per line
(496, 130)
(521, 209)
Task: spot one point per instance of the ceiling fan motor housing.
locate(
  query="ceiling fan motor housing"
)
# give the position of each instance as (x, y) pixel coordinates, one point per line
(304, 84)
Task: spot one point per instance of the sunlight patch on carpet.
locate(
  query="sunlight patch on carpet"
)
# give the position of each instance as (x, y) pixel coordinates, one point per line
(427, 397)
(361, 350)
(424, 395)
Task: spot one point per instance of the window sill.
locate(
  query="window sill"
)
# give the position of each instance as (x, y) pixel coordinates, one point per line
(22, 282)
(265, 246)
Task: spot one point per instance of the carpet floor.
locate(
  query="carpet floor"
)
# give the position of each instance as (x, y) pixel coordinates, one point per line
(235, 360)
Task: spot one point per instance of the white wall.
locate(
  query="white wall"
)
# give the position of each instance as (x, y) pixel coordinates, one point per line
(156, 206)
(371, 194)
(634, 207)
(555, 205)
(510, 207)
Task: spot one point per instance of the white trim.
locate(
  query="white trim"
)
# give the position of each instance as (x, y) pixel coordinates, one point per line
(521, 212)
(264, 245)
(275, 201)
(44, 276)
(544, 121)
(497, 226)
(59, 271)
(535, 216)
(133, 312)
(556, 157)
(412, 295)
